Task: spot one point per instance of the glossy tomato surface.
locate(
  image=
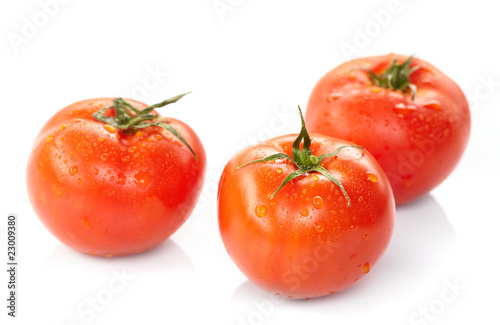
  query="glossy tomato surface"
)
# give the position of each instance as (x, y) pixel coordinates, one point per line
(105, 192)
(417, 142)
(306, 241)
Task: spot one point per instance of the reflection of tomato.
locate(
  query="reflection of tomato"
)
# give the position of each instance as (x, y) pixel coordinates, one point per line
(106, 191)
(306, 241)
(417, 142)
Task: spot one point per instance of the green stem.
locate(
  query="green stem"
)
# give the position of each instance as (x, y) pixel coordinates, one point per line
(130, 119)
(395, 77)
(304, 160)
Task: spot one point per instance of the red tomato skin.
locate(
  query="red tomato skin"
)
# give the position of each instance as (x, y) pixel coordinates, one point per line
(417, 147)
(106, 193)
(295, 253)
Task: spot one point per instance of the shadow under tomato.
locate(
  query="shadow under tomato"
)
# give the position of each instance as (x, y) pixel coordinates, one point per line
(422, 238)
(164, 257)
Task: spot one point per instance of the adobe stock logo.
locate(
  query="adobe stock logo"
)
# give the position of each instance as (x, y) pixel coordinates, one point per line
(429, 313)
(30, 27)
(223, 7)
(364, 35)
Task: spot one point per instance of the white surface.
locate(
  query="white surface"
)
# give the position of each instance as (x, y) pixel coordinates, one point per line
(263, 57)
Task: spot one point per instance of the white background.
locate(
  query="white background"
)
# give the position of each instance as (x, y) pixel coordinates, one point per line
(247, 66)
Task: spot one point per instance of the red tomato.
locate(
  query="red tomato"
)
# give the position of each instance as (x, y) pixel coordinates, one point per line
(106, 190)
(306, 241)
(369, 101)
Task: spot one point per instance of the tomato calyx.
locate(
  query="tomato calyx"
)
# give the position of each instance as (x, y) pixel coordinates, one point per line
(129, 119)
(396, 77)
(304, 160)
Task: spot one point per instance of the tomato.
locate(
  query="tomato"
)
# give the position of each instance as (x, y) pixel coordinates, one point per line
(305, 223)
(408, 114)
(111, 177)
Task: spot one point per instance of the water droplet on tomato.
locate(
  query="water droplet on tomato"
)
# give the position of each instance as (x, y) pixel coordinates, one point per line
(372, 177)
(318, 202)
(73, 170)
(260, 210)
(279, 170)
(85, 222)
(49, 138)
(353, 256)
(121, 179)
(62, 127)
(132, 149)
(426, 81)
(319, 226)
(109, 128)
(364, 236)
(403, 110)
(334, 95)
(360, 199)
(79, 181)
(126, 158)
(304, 212)
(365, 268)
(433, 104)
(375, 89)
(100, 139)
(142, 179)
(104, 156)
(315, 178)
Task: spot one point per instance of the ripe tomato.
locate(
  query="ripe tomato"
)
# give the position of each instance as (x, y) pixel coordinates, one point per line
(117, 187)
(418, 141)
(292, 227)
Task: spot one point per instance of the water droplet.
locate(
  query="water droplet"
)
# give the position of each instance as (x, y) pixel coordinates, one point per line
(304, 191)
(260, 210)
(96, 171)
(281, 226)
(279, 170)
(433, 104)
(360, 199)
(366, 267)
(372, 177)
(100, 139)
(426, 81)
(104, 156)
(364, 236)
(354, 227)
(79, 181)
(73, 170)
(62, 127)
(375, 89)
(142, 179)
(85, 222)
(334, 95)
(126, 158)
(403, 110)
(315, 178)
(304, 212)
(318, 202)
(353, 256)
(49, 138)
(109, 128)
(121, 179)
(132, 149)
(319, 226)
